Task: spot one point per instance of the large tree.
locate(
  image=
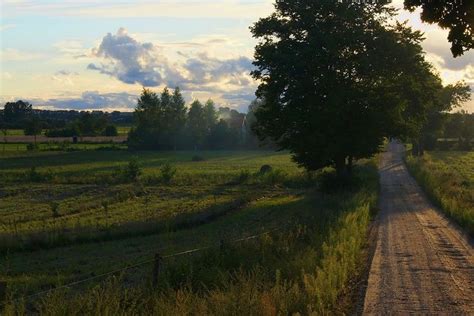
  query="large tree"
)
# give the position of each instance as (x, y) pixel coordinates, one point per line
(336, 80)
(455, 15)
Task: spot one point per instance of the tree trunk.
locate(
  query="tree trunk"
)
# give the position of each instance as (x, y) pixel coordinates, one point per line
(350, 163)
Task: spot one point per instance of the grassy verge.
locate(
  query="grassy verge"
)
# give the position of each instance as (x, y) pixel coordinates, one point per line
(301, 268)
(448, 179)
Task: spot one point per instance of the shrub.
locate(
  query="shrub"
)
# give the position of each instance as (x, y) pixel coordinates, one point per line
(133, 170)
(54, 209)
(110, 130)
(167, 172)
(265, 169)
(32, 147)
(197, 158)
(34, 176)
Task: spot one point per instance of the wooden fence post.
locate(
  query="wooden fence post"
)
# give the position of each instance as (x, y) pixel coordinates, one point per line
(156, 270)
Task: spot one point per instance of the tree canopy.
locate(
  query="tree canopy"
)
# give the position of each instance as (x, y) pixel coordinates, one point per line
(336, 78)
(455, 15)
(162, 121)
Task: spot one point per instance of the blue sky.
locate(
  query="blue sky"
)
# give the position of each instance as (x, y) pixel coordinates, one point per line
(70, 53)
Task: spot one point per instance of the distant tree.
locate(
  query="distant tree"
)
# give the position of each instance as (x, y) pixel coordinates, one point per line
(222, 136)
(175, 116)
(250, 124)
(18, 111)
(159, 120)
(460, 125)
(3, 129)
(33, 127)
(110, 130)
(455, 15)
(336, 80)
(147, 114)
(210, 115)
(196, 129)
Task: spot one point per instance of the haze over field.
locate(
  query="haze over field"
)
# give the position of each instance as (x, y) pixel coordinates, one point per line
(98, 54)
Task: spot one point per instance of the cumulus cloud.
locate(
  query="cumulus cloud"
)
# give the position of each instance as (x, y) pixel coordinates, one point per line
(91, 100)
(133, 62)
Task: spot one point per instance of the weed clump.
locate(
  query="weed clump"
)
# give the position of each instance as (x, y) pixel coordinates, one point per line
(54, 209)
(167, 172)
(133, 170)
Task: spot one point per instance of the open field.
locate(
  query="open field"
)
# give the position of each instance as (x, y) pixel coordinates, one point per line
(69, 216)
(448, 178)
(44, 139)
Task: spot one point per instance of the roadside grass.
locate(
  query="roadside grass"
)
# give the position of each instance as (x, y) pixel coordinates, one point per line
(448, 179)
(301, 268)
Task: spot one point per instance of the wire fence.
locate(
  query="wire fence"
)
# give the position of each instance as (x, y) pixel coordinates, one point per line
(149, 261)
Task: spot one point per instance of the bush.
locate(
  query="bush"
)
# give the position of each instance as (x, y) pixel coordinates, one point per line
(32, 147)
(111, 130)
(133, 170)
(54, 209)
(34, 176)
(167, 172)
(198, 158)
(265, 169)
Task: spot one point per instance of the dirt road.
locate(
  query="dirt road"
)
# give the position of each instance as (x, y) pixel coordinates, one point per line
(422, 264)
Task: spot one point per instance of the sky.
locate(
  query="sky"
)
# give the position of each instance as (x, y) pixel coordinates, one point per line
(98, 54)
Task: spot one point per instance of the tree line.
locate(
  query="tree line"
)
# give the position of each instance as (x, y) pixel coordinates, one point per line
(164, 122)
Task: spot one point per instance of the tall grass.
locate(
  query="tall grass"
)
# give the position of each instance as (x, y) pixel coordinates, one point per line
(448, 184)
(302, 268)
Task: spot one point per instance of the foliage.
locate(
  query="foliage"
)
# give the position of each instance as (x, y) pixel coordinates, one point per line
(18, 111)
(168, 172)
(110, 130)
(159, 120)
(163, 122)
(454, 15)
(460, 125)
(325, 68)
(133, 169)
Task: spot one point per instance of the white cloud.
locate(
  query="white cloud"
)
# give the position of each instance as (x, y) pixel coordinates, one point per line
(11, 54)
(130, 61)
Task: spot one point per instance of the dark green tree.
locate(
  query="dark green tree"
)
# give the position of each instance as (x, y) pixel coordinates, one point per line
(196, 130)
(455, 15)
(16, 112)
(336, 79)
(159, 120)
(210, 114)
(33, 127)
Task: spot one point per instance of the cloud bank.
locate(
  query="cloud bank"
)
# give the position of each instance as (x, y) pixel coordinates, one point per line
(133, 62)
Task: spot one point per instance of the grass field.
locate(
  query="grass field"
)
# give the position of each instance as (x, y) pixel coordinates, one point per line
(448, 178)
(70, 216)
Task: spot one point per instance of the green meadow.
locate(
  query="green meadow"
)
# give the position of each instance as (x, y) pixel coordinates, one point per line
(267, 241)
